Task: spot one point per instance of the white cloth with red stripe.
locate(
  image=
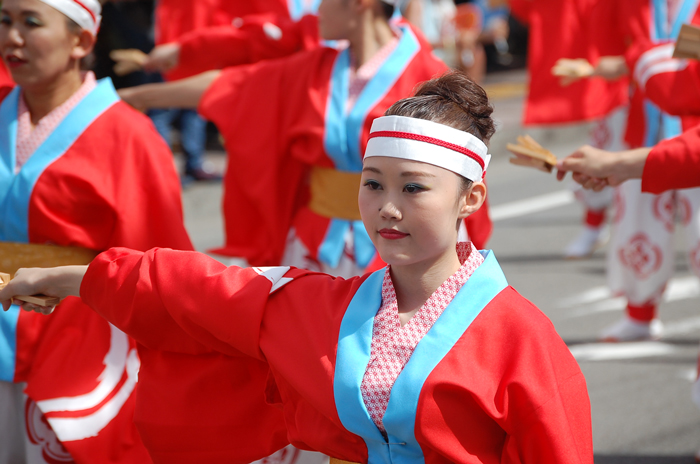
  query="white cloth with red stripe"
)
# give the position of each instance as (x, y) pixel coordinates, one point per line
(86, 13)
(429, 142)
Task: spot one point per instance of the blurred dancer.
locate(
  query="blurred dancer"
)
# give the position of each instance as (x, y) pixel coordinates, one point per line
(303, 211)
(588, 31)
(78, 168)
(641, 258)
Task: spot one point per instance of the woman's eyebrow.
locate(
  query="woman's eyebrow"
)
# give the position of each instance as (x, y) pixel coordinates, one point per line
(371, 169)
(416, 174)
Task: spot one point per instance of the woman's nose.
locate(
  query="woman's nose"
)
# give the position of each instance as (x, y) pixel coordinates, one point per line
(389, 210)
(11, 36)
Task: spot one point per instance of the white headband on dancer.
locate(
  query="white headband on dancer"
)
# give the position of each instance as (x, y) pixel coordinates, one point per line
(429, 142)
(85, 13)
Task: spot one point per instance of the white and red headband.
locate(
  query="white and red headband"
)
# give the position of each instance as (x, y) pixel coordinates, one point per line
(85, 13)
(429, 142)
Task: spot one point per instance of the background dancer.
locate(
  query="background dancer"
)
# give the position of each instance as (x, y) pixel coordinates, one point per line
(78, 168)
(323, 101)
(640, 258)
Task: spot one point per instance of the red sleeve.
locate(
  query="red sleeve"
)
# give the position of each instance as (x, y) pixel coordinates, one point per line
(257, 38)
(194, 404)
(521, 10)
(673, 164)
(270, 114)
(670, 83)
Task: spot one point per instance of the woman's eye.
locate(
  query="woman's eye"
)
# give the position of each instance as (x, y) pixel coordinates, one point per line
(373, 185)
(413, 188)
(32, 21)
(4, 19)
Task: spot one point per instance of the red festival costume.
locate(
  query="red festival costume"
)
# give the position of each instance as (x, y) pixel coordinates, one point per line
(641, 257)
(284, 119)
(491, 382)
(103, 178)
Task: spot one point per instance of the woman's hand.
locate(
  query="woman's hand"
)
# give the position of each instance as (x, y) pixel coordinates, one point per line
(594, 168)
(163, 58)
(58, 282)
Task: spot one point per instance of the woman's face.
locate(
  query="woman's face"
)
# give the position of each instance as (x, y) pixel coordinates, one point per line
(411, 209)
(35, 41)
(337, 18)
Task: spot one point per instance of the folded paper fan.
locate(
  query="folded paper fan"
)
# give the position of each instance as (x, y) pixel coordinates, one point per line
(531, 154)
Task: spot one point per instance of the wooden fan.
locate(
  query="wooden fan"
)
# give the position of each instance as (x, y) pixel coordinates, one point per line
(531, 154)
(688, 43)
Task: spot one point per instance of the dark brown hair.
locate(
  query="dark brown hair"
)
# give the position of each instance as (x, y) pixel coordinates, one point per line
(454, 100)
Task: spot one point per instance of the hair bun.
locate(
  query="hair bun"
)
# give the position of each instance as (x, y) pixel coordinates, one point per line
(452, 99)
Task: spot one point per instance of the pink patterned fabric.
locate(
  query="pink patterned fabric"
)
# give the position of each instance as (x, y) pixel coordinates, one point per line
(393, 345)
(361, 76)
(30, 138)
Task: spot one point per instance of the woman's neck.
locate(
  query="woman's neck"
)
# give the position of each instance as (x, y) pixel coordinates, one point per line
(415, 283)
(372, 34)
(42, 99)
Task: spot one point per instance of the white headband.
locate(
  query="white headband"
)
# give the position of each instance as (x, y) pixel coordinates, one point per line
(85, 13)
(429, 142)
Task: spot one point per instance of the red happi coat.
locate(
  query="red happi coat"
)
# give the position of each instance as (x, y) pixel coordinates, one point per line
(281, 117)
(569, 29)
(491, 382)
(103, 178)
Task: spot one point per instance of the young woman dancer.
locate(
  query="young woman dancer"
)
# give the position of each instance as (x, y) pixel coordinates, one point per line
(78, 168)
(432, 359)
(296, 130)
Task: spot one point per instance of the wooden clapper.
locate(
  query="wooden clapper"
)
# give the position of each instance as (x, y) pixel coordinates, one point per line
(17, 255)
(531, 154)
(688, 43)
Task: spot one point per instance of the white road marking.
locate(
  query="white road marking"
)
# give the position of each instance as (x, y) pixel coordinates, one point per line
(618, 351)
(531, 205)
(600, 299)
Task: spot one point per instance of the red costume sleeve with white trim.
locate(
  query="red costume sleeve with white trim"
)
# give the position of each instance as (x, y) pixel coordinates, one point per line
(249, 40)
(508, 390)
(673, 164)
(670, 83)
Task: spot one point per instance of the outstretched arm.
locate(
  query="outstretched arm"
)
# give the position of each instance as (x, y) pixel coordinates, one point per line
(594, 168)
(185, 93)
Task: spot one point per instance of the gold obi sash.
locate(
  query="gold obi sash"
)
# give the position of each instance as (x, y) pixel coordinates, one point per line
(334, 193)
(339, 461)
(16, 255)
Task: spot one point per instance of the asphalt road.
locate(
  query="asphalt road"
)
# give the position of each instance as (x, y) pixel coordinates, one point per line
(640, 392)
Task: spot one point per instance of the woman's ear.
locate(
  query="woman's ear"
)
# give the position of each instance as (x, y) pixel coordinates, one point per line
(472, 199)
(83, 45)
